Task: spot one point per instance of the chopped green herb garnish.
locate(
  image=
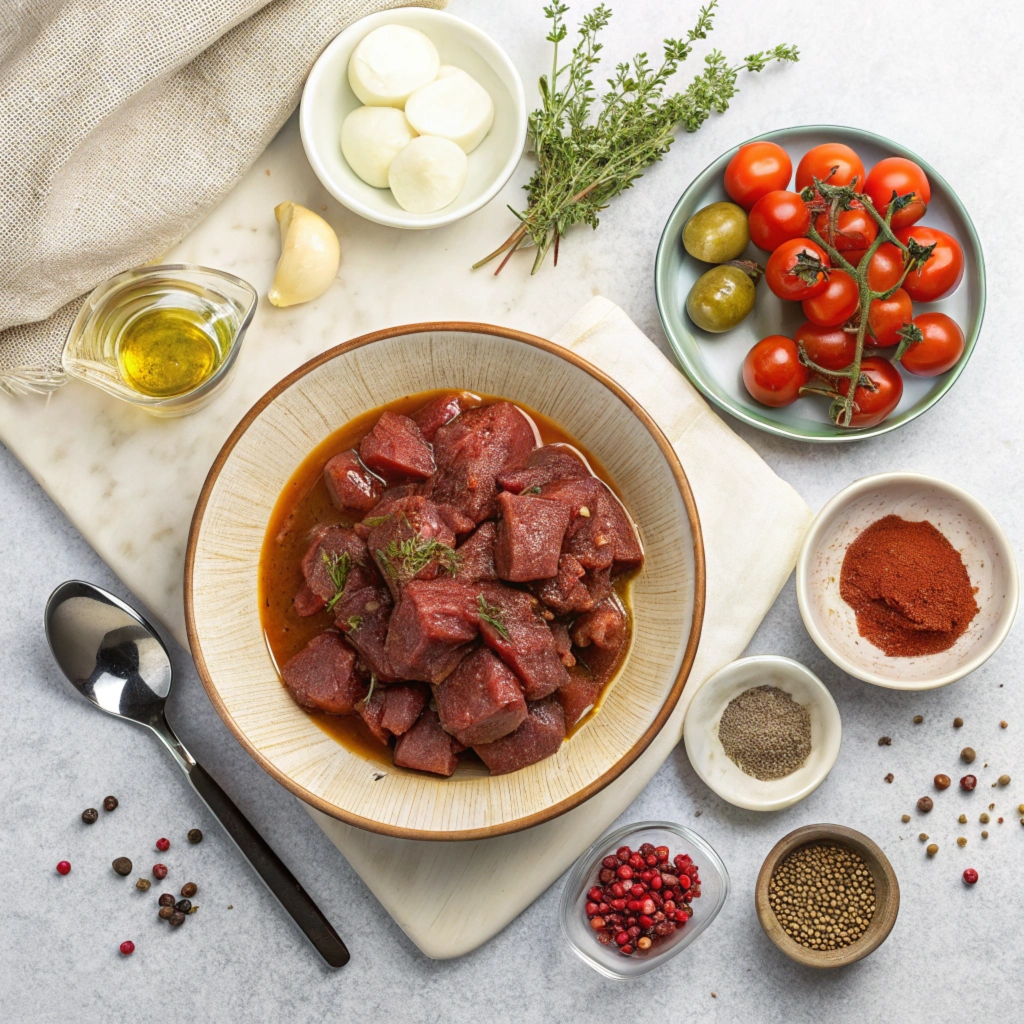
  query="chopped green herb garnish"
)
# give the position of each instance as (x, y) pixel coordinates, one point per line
(403, 560)
(369, 692)
(338, 566)
(492, 615)
(373, 521)
(354, 622)
(535, 489)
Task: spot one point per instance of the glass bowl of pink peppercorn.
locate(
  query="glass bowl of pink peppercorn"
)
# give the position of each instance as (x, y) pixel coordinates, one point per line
(679, 895)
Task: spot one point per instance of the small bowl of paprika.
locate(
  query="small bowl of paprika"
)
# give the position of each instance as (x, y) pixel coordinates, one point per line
(907, 581)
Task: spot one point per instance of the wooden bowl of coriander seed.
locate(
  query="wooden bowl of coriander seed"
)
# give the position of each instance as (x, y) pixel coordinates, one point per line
(827, 896)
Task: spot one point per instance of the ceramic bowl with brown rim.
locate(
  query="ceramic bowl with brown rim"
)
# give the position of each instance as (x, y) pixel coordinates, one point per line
(224, 626)
(887, 895)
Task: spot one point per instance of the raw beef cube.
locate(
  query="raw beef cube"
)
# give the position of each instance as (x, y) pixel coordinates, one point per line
(322, 675)
(414, 542)
(567, 591)
(459, 524)
(473, 450)
(362, 614)
(307, 603)
(590, 538)
(481, 700)
(426, 747)
(599, 584)
(441, 410)
(331, 555)
(544, 466)
(476, 555)
(350, 484)
(431, 629)
(371, 711)
(628, 552)
(601, 637)
(512, 627)
(395, 449)
(577, 697)
(563, 643)
(530, 534)
(538, 737)
(402, 706)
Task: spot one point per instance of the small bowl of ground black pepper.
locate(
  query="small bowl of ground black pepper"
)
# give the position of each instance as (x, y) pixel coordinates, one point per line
(827, 896)
(763, 732)
(907, 581)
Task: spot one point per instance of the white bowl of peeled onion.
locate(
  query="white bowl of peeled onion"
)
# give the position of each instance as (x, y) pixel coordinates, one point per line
(906, 581)
(413, 118)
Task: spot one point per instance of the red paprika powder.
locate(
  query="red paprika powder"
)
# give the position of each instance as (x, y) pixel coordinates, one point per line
(909, 587)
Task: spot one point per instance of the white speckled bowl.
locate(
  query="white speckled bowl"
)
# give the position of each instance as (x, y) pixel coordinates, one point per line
(708, 756)
(971, 530)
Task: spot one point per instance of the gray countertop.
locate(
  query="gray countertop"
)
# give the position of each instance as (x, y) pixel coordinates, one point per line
(955, 952)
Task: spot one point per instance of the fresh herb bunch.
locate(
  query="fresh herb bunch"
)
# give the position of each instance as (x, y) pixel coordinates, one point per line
(583, 163)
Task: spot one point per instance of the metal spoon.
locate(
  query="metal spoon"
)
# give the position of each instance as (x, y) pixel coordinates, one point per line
(116, 659)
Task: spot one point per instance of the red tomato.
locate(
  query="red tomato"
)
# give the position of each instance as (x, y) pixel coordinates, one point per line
(902, 176)
(773, 372)
(831, 347)
(778, 217)
(886, 268)
(788, 278)
(871, 407)
(887, 316)
(942, 271)
(757, 169)
(854, 256)
(819, 162)
(836, 304)
(942, 346)
(855, 229)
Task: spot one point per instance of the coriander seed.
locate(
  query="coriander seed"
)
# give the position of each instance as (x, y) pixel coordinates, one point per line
(967, 755)
(962, 819)
(958, 723)
(961, 842)
(195, 836)
(941, 781)
(983, 818)
(933, 848)
(923, 837)
(925, 804)
(905, 818)
(1003, 780)
(918, 719)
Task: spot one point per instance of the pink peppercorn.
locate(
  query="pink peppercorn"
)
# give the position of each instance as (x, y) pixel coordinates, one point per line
(970, 876)
(127, 947)
(63, 867)
(159, 870)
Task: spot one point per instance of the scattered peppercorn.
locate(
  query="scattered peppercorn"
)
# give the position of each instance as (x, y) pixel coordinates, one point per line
(961, 842)
(183, 905)
(999, 821)
(958, 723)
(918, 719)
(63, 867)
(983, 818)
(967, 755)
(159, 871)
(933, 848)
(89, 815)
(1020, 808)
(905, 818)
(122, 865)
(166, 900)
(189, 889)
(195, 836)
(164, 913)
(885, 741)
(925, 804)
(889, 777)
(163, 845)
(923, 837)
(176, 918)
(127, 947)
(970, 876)
(110, 803)
(143, 884)
(1004, 780)
(991, 807)
(968, 782)
(962, 819)
(984, 835)
(1003, 725)
(941, 781)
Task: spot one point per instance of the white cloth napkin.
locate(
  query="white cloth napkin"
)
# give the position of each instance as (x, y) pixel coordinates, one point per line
(123, 123)
(443, 894)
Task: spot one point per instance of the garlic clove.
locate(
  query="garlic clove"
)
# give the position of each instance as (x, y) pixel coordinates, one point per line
(390, 63)
(428, 174)
(454, 106)
(371, 137)
(310, 256)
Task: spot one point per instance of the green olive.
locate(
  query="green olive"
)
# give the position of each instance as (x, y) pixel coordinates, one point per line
(720, 299)
(718, 233)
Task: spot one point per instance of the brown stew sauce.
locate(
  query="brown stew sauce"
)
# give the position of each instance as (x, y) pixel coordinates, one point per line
(305, 504)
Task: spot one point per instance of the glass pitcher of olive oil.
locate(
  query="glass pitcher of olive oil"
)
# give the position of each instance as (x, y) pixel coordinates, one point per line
(164, 338)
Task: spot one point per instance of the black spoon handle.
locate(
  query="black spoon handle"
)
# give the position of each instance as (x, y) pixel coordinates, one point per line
(276, 876)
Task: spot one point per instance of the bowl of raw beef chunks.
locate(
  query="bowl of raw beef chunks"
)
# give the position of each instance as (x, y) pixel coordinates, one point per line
(445, 581)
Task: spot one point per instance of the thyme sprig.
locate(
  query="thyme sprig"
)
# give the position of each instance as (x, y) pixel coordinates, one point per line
(405, 559)
(583, 162)
(338, 566)
(492, 615)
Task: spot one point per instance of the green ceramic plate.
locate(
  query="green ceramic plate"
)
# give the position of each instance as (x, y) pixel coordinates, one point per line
(713, 361)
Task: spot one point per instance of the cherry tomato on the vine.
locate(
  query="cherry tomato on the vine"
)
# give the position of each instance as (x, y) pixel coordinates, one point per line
(871, 407)
(942, 270)
(836, 304)
(797, 270)
(902, 176)
(887, 316)
(778, 217)
(819, 161)
(757, 169)
(855, 229)
(885, 268)
(830, 347)
(773, 373)
(941, 347)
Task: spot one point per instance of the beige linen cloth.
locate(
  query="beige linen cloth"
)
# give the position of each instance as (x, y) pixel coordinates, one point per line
(122, 123)
(444, 895)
